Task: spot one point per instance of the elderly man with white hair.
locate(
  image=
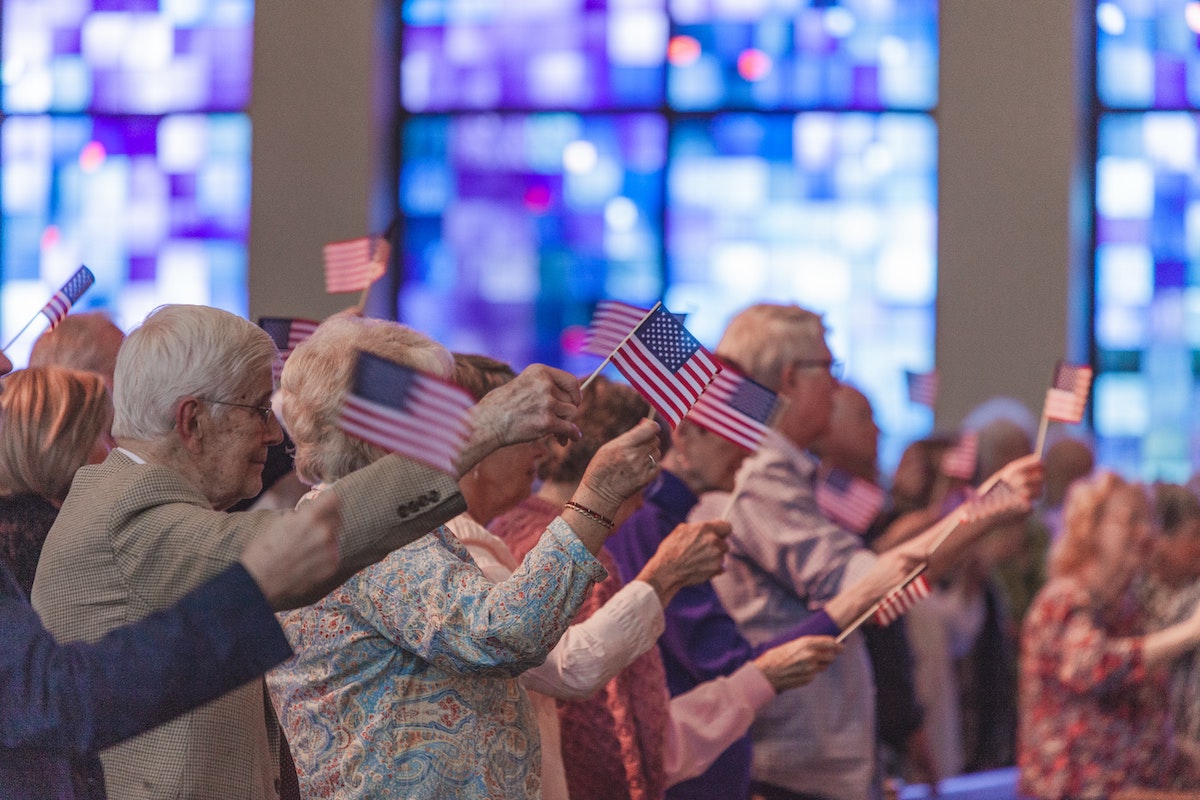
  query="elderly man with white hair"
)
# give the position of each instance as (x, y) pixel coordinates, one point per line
(193, 423)
(786, 560)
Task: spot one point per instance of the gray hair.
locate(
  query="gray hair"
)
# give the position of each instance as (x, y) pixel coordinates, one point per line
(317, 377)
(765, 338)
(184, 351)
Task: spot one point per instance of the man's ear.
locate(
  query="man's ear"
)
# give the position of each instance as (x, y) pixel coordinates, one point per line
(190, 423)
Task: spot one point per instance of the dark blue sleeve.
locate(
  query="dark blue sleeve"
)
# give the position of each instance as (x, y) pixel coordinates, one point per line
(79, 697)
(700, 637)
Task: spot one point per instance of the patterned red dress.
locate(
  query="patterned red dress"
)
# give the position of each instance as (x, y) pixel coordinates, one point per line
(1093, 718)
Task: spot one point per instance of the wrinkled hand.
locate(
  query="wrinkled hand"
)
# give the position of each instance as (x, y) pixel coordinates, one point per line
(621, 468)
(797, 662)
(538, 402)
(292, 559)
(890, 569)
(690, 555)
(1025, 474)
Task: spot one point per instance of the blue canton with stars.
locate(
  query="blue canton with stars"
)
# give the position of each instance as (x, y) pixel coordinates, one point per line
(667, 339)
(754, 400)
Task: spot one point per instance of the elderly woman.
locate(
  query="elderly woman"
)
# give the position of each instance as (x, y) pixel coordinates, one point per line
(631, 739)
(591, 653)
(1092, 695)
(53, 420)
(404, 683)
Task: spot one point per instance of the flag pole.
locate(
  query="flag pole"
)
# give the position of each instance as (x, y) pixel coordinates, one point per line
(870, 612)
(1041, 437)
(18, 336)
(608, 358)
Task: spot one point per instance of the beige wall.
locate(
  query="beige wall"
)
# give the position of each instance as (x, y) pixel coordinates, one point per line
(1010, 161)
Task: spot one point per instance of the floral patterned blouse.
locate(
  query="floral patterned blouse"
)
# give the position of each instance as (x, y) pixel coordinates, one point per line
(404, 680)
(1093, 718)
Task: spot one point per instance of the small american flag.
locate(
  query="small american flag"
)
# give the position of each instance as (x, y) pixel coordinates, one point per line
(611, 323)
(922, 387)
(407, 411)
(1068, 394)
(353, 265)
(286, 333)
(901, 599)
(60, 304)
(959, 461)
(737, 408)
(666, 365)
(849, 501)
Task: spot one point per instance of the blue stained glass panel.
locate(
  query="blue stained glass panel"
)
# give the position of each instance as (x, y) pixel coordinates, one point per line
(1148, 54)
(780, 54)
(516, 224)
(157, 207)
(1147, 293)
(151, 57)
(835, 212)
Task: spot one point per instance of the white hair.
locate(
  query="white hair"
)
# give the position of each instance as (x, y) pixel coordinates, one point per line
(184, 351)
(317, 377)
(763, 339)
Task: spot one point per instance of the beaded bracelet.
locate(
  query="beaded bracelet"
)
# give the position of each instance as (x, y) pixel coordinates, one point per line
(594, 516)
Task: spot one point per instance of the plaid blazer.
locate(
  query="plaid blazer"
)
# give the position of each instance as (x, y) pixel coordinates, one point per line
(134, 538)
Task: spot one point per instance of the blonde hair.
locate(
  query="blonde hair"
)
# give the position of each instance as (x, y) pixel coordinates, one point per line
(88, 341)
(317, 376)
(766, 337)
(1085, 504)
(50, 419)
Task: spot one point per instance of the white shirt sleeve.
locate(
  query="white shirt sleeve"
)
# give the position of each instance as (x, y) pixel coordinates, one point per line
(703, 722)
(592, 652)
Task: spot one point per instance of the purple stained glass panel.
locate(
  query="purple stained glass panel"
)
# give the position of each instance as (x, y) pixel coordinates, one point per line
(126, 57)
(516, 224)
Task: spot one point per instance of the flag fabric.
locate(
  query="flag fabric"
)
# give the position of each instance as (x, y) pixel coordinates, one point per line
(407, 411)
(60, 304)
(286, 333)
(901, 599)
(611, 323)
(922, 387)
(666, 364)
(1067, 396)
(737, 408)
(849, 501)
(353, 265)
(959, 461)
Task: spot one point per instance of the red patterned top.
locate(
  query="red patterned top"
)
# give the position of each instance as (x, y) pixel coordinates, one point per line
(1093, 718)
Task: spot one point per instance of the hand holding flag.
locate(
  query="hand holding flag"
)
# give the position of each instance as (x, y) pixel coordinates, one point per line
(408, 412)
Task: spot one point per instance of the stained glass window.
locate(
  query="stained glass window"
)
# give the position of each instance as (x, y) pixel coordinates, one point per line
(124, 147)
(1147, 237)
(557, 152)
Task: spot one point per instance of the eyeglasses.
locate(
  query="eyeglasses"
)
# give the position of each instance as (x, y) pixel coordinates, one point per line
(832, 366)
(264, 412)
